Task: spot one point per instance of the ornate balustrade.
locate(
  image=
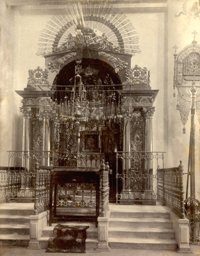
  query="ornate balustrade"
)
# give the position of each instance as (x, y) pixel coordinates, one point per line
(33, 183)
(3, 183)
(79, 193)
(42, 189)
(170, 189)
(10, 182)
(135, 177)
(80, 159)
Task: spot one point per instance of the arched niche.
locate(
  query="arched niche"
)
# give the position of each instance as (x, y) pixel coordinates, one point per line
(93, 72)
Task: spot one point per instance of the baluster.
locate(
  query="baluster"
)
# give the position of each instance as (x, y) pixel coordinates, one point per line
(104, 186)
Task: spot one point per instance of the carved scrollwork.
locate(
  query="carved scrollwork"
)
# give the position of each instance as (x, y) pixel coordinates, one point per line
(57, 64)
(137, 131)
(38, 78)
(148, 112)
(187, 65)
(36, 135)
(183, 107)
(137, 77)
(115, 62)
(129, 103)
(86, 37)
(27, 111)
(30, 102)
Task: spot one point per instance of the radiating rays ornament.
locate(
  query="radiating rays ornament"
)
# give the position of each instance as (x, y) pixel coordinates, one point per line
(99, 18)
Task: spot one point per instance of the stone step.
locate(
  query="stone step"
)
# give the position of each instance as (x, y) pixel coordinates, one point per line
(14, 240)
(140, 222)
(91, 243)
(7, 218)
(138, 243)
(24, 209)
(154, 233)
(130, 214)
(17, 229)
(139, 208)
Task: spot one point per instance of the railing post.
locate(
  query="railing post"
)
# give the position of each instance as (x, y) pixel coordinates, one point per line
(104, 208)
(164, 177)
(180, 168)
(35, 186)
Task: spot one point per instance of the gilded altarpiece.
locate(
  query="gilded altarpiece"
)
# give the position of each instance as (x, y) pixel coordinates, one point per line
(94, 110)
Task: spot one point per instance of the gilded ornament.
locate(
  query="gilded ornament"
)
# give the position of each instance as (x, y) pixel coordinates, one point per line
(38, 79)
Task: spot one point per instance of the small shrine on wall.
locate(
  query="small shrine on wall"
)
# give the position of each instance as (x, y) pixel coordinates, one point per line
(89, 105)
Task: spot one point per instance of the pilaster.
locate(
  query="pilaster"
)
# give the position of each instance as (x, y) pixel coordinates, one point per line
(26, 136)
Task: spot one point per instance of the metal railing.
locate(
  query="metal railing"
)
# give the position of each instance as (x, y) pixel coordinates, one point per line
(170, 189)
(135, 177)
(32, 181)
(10, 182)
(3, 184)
(42, 189)
(28, 159)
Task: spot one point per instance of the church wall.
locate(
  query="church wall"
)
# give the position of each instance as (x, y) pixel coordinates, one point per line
(150, 28)
(8, 108)
(181, 27)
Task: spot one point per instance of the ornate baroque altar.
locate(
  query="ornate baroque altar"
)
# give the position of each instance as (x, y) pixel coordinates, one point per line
(89, 106)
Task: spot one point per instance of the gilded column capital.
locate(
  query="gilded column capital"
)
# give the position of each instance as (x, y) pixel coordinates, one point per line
(45, 114)
(27, 111)
(148, 112)
(30, 102)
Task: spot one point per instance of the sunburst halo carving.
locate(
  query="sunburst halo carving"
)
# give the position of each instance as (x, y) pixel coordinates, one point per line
(98, 16)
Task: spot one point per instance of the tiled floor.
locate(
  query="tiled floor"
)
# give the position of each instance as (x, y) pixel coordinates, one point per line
(114, 252)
